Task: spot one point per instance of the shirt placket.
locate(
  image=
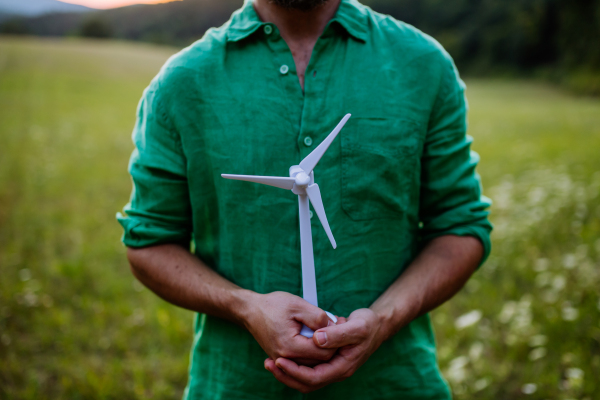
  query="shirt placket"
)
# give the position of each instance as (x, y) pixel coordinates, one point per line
(284, 71)
(312, 127)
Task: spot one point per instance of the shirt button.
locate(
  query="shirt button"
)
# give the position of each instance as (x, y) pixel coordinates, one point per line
(310, 214)
(268, 29)
(308, 141)
(284, 69)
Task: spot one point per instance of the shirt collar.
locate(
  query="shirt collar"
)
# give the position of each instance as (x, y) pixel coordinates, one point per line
(351, 15)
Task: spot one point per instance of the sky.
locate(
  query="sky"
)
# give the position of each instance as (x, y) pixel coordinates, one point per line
(112, 3)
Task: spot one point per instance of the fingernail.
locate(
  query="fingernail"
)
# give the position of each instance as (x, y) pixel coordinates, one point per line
(321, 338)
(330, 323)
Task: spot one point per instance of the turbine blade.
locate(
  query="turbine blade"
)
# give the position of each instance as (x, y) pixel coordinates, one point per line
(277, 181)
(314, 194)
(311, 160)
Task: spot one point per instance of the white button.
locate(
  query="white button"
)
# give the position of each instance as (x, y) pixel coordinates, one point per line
(310, 214)
(284, 69)
(268, 29)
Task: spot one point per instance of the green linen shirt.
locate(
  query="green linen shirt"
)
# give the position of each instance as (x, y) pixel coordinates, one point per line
(399, 174)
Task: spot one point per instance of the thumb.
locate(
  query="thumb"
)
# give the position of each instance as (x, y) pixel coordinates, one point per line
(352, 332)
(313, 317)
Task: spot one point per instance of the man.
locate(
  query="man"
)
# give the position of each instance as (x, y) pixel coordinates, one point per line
(399, 186)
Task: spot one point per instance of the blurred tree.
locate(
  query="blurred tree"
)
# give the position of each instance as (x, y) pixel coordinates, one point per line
(96, 28)
(579, 39)
(14, 26)
(559, 37)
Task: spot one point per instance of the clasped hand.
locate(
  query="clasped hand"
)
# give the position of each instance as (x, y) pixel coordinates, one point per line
(334, 353)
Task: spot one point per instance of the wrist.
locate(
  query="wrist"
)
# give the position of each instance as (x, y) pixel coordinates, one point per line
(245, 306)
(391, 319)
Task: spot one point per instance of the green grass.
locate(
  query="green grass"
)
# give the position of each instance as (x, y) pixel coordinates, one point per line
(74, 323)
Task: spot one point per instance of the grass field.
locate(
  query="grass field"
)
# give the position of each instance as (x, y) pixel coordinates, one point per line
(75, 325)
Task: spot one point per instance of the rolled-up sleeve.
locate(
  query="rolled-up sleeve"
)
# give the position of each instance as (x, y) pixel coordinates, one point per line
(451, 201)
(159, 209)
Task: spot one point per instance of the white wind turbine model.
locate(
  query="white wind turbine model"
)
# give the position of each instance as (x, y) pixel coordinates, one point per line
(302, 183)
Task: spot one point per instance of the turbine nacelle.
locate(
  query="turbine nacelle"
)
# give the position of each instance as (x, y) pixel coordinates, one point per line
(302, 180)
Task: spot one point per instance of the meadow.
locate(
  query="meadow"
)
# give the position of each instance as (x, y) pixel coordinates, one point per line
(74, 324)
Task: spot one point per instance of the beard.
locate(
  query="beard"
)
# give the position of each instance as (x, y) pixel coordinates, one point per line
(302, 5)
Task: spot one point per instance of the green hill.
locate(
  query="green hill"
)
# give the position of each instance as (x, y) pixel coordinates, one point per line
(177, 23)
(38, 7)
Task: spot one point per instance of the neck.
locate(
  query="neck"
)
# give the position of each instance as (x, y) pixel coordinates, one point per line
(300, 29)
(294, 24)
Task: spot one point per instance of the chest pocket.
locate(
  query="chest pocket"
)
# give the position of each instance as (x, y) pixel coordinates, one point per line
(380, 168)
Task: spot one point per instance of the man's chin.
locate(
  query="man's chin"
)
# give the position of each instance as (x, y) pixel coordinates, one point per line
(302, 5)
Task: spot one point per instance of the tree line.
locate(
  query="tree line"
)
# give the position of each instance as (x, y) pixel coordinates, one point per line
(483, 36)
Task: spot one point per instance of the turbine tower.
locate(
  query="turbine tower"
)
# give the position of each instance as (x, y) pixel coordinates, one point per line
(302, 183)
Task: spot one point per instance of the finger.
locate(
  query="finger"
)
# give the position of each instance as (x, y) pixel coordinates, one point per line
(336, 370)
(283, 378)
(352, 332)
(311, 316)
(307, 361)
(302, 347)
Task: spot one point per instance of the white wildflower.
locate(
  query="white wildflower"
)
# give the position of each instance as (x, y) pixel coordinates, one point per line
(529, 388)
(581, 251)
(468, 319)
(24, 274)
(137, 318)
(536, 195)
(30, 299)
(511, 339)
(574, 377)
(508, 311)
(475, 351)
(541, 265)
(569, 313)
(574, 373)
(537, 353)
(481, 384)
(456, 372)
(569, 261)
(550, 296)
(559, 282)
(523, 317)
(543, 279)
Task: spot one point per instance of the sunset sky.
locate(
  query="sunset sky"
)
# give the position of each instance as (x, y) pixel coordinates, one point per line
(112, 3)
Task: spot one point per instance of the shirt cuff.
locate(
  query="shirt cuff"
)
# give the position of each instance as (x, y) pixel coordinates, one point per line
(138, 233)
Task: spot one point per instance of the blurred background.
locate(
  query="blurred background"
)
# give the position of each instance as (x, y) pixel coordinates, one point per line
(75, 324)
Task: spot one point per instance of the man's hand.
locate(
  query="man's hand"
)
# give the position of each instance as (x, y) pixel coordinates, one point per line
(356, 337)
(275, 321)
(439, 271)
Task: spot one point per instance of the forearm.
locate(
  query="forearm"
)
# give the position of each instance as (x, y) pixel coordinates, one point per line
(274, 319)
(180, 278)
(439, 272)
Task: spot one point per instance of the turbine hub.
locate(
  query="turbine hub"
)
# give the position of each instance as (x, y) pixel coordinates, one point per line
(302, 180)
